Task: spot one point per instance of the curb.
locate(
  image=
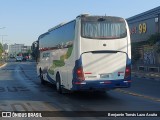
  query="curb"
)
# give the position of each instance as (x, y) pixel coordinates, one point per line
(3, 65)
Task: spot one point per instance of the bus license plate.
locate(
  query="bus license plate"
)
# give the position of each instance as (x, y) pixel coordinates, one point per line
(105, 75)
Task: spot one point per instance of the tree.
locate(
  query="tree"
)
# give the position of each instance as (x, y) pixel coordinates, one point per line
(135, 52)
(153, 40)
(1, 50)
(29, 51)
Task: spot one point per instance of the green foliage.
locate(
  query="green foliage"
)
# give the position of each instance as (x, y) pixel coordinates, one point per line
(153, 39)
(29, 51)
(1, 50)
(135, 52)
(135, 56)
(158, 48)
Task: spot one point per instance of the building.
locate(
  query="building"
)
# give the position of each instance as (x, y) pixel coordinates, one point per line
(25, 49)
(15, 49)
(6, 48)
(142, 26)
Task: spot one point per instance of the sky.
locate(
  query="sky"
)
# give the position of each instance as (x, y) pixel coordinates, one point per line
(25, 20)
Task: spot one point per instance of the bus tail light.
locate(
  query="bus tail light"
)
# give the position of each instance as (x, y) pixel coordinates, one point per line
(127, 71)
(80, 74)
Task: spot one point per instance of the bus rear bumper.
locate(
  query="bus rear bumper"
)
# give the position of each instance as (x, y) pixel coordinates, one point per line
(100, 85)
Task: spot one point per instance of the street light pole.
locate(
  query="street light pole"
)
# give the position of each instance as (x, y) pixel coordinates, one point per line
(2, 37)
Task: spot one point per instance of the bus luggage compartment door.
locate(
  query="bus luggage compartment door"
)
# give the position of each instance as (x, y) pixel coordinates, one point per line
(104, 65)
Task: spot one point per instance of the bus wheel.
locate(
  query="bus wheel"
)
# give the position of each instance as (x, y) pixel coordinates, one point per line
(41, 77)
(58, 84)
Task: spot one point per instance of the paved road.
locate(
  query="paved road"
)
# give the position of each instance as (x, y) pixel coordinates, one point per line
(20, 90)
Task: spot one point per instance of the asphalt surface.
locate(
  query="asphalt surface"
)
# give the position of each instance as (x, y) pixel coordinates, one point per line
(20, 90)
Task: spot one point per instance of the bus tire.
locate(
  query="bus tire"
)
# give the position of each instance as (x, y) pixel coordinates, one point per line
(58, 84)
(41, 78)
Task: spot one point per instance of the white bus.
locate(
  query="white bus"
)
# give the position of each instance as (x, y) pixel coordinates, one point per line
(87, 53)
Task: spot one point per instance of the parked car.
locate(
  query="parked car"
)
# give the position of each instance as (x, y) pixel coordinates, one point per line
(19, 58)
(24, 59)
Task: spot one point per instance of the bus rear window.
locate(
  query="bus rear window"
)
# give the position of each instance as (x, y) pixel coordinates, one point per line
(103, 28)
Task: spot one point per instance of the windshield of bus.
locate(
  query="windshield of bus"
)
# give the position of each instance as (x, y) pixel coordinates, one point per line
(103, 27)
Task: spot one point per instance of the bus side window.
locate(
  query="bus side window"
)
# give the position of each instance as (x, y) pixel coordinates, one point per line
(46, 55)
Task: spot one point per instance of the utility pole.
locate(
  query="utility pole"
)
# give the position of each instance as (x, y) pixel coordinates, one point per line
(2, 38)
(2, 35)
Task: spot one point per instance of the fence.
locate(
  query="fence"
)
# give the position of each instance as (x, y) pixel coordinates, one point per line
(149, 68)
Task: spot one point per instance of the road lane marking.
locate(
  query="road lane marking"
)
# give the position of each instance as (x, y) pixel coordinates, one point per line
(27, 106)
(138, 95)
(18, 107)
(14, 89)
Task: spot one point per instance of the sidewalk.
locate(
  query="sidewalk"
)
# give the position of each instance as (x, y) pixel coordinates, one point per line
(2, 65)
(145, 74)
(2, 62)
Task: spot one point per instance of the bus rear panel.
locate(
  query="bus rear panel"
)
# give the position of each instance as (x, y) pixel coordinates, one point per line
(104, 63)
